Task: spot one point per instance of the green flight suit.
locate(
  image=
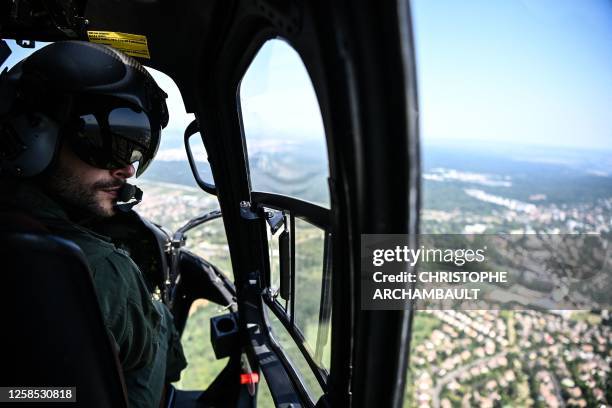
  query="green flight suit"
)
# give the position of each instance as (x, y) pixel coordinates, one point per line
(147, 341)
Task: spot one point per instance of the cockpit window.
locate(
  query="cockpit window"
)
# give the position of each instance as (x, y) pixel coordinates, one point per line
(18, 53)
(515, 122)
(283, 127)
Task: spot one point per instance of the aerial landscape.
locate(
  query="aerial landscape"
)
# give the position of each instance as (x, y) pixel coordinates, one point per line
(491, 358)
(458, 358)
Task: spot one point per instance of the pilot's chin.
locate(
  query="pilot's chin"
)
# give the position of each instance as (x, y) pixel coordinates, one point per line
(112, 210)
(107, 209)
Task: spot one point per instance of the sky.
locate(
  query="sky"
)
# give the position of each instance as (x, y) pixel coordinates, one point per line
(529, 72)
(278, 100)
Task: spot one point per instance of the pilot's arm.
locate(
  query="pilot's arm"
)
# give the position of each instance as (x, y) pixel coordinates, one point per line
(128, 310)
(143, 329)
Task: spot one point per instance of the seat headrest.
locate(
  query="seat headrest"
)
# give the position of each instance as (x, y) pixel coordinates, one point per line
(14, 221)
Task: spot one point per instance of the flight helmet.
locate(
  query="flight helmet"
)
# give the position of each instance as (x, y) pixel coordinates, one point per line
(104, 104)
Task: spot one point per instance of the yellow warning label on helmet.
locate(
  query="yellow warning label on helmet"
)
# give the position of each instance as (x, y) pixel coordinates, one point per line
(132, 44)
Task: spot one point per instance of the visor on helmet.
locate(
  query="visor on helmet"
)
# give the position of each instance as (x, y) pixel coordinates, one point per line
(115, 137)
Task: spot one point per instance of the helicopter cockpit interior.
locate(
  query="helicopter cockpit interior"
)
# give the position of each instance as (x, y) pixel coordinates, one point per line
(297, 128)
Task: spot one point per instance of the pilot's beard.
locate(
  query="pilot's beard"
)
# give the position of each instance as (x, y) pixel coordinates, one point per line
(80, 199)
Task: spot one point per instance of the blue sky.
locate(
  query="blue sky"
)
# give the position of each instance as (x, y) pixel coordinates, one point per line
(528, 72)
(503, 71)
(278, 101)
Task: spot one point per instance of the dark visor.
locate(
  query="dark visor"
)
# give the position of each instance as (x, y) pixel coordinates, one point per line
(115, 138)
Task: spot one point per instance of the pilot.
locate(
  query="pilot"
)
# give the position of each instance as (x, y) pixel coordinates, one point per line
(75, 120)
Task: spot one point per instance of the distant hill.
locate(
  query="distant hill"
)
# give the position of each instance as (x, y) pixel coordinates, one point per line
(298, 176)
(556, 176)
(176, 172)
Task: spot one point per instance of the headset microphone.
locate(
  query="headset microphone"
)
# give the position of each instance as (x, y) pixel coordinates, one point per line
(129, 195)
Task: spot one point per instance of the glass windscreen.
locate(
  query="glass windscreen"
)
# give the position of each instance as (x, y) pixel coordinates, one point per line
(283, 127)
(516, 139)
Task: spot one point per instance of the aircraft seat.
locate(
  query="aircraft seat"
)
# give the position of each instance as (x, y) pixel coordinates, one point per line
(54, 335)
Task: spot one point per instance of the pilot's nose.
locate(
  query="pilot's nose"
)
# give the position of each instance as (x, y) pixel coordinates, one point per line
(124, 172)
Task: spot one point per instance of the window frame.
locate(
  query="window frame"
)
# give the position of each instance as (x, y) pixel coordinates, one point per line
(319, 217)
